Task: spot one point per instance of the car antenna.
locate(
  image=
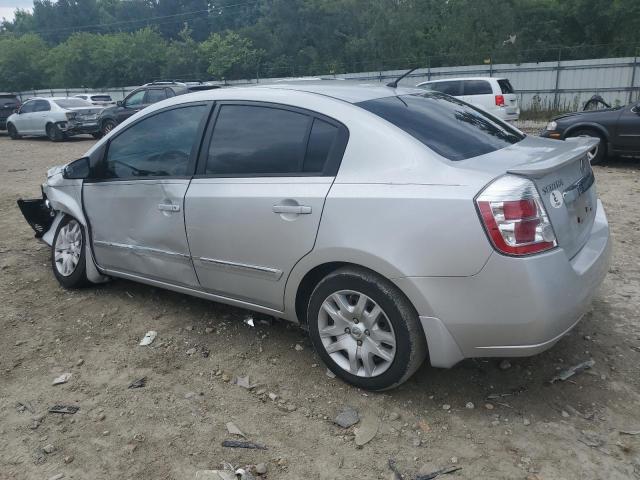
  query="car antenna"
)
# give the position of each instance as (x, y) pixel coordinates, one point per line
(394, 84)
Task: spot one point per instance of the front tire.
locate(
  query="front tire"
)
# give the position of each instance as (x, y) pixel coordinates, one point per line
(13, 132)
(68, 254)
(54, 133)
(365, 329)
(597, 155)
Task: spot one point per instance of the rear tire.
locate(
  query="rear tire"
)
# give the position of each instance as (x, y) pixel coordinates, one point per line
(54, 133)
(68, 254)
(600, 152)
(365, 330)
(13, 132)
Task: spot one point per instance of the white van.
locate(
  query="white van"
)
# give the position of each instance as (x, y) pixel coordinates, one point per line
(494, 95)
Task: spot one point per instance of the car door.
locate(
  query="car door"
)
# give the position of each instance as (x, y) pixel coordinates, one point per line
(155, 95)
(253, 209)
(627, 132)
(40, 115)
(132, 104)
(23, 121)
(135, 199)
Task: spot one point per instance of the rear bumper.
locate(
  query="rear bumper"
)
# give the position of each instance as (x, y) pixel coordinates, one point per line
(513, 306)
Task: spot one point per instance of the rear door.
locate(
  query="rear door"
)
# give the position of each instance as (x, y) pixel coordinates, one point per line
(41, 112)
(155, 95)
(254, 208)
(627, 130)
(135, 199)
(510, 97)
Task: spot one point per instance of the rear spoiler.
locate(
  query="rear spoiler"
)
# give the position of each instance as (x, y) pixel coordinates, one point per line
(544, 167)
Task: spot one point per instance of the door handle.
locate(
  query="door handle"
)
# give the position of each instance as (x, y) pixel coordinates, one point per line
(168, 207)
(298, 209)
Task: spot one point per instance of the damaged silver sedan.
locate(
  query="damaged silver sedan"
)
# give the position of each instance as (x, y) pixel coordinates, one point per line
(395, 224)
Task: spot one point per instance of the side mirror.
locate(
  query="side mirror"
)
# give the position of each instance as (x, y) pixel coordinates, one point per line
(120, 103)
(77, 170)
(16, 110)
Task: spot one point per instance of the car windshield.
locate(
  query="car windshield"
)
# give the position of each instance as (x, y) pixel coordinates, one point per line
(8, 100)
(72, 103)
(449, 127)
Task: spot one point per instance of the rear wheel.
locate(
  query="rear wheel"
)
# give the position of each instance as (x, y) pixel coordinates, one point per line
(365, 329)
(68, 254)
(54, 133)
(107, 126)
(13, 132)
(599, 153)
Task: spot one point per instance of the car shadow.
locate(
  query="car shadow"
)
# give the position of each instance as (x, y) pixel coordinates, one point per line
(621, 162)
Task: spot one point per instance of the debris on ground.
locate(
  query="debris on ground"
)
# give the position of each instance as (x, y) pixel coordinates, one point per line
(64, 378)
(141, 382)
(243, 474)
(330, 374)
(446, 407)
(505, 364)
(59, 476)
(470, 405)
(367, 430)
(233, 429)
(261, 468)
(148, 339)
(191, 351)
(64, 409)
(437, 473)
(629, 432)
(299, 347)
(22, 406)
(215, 475)
(244, 382)
(243, 444)
(249, 321)
(49, 448)
(575, 370)
(347, 417)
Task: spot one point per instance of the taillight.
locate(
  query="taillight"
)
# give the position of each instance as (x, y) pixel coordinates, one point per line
(500, 100)
(514, 217)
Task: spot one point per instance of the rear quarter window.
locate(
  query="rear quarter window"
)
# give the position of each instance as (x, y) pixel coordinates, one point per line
(449, 127)
(477, 87)
(505, 86)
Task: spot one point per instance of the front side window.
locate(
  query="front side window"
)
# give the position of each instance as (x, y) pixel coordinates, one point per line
(135, 99)
(255, 140)
(447, 126)
(155, 95)
(28, 107)
(477, 87)
(157, 146)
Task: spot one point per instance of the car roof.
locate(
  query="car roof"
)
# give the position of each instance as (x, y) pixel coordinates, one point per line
(347, 91)
(450, 79)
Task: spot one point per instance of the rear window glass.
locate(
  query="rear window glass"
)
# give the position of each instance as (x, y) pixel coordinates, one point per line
(453, 88)
(477, 87)
(453, 129)
(72, 103)
(505, 86)
(101, 98)
(8, 100)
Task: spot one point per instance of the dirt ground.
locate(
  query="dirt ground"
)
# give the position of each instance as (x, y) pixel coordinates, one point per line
(520, 426)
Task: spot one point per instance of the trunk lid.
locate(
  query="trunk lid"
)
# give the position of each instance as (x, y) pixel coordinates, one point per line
(563, 176)
(87, 113)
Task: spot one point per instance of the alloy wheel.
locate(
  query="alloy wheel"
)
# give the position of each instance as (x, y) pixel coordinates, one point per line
(68, 248)
(356, 333)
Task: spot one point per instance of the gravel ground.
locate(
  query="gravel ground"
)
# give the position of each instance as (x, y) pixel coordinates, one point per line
(519, 426)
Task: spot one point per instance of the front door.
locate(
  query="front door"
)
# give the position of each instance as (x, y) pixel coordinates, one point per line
(24, 120)
(254, 208)
(135, 203)
(132, 104)
(627, 137)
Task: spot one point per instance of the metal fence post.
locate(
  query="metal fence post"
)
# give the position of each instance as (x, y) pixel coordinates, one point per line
(555, 90)
(490, 65)
(429, 68)
(633, 75)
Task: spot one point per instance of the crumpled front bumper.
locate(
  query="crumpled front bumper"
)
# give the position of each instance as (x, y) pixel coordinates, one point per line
(38, 214)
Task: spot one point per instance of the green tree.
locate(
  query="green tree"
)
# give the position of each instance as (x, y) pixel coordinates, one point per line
(21, 62)
(229, 52)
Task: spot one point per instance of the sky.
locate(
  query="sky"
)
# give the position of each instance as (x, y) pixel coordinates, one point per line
(7, 7)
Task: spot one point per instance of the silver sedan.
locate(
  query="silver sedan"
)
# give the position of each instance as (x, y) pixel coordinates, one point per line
(395, 224)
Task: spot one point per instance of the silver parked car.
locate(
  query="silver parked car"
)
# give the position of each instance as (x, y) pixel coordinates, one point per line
(393, 223)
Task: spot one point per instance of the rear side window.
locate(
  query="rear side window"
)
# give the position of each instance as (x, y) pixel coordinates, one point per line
(41, 106)
(453, 88)
(157, 146)
(155, 95)
(169, 92)
(477, 87)
(255, 140)
(322, 140)
(447, 126)
(505, 86)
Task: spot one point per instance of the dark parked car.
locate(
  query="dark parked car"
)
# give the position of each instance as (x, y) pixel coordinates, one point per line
(617, 128)
(9, 102)
(142, 97)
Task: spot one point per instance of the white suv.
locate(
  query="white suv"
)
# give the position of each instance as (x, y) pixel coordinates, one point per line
(494, 95)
